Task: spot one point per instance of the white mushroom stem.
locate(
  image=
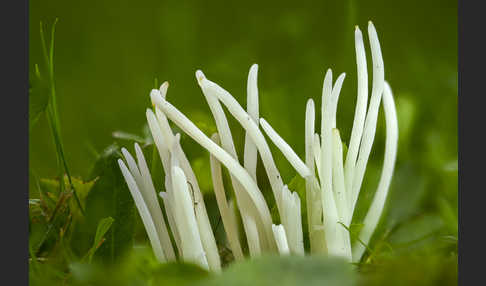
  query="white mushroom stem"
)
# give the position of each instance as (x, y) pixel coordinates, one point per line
(340, 195)
(371, 116)
(359, 113)
(336, 90)
(144, 212)
(317, 154)
(310, 192)
(158, 140)
(169, 205)
(338, 178)
(292, 217)
(206, 233)
(252, 234)
(252, 130)
(229, 226)
(250, 153)
(150, 197)
(244, 203)
(328, 203)
(286, 150)
(163, 88)
(192, 249)
(376, 208)
(226, 159)
(279, 234)
(162, 133)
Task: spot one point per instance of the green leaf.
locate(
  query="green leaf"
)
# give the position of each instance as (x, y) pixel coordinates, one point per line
(103, 226)
(109, 197)
(82, 188)
(287, 270)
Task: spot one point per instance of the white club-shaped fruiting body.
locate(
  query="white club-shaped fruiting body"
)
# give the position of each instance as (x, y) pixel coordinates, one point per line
(333, 183)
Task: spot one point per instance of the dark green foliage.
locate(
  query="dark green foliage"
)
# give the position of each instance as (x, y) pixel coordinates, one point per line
(110, 196)
(286, 271)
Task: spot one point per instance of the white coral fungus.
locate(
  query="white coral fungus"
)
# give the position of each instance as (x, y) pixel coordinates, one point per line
(332, 183)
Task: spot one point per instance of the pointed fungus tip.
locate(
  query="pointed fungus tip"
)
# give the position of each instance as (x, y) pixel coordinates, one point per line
(200, 76)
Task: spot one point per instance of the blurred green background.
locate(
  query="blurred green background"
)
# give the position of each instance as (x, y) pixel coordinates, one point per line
(108, 53)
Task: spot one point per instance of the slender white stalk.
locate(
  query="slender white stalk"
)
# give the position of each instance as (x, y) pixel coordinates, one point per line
(252, 234)
(340, 195)
(226, 159)
(228, 145)
(143, 211)
(318, 242)
(328, 203)
(233, 211)
(286, 150)
(192, 248)
(371, 116)
(132, 166)
(168, 205)
(206, 233)
(150, 197)
(229, 226)
(279, 234)
(250, 155)
(336, 90)
(314, 211)
(219, 117)
(295, 221)
(204, 225)
(338, 178)
(163, 88)
(252, 130)
(317, 154)
(374, 213)
(159, 141)
(298, 224)
(359, 113)
(164, 127)
(286, 216)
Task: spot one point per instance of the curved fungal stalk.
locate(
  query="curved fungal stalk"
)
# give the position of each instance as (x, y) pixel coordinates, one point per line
(371, 115)
(279, 233)
(286, 150)
(228, 145)
(332, 182)
(144, 212)
(252, 130)
(144, 186)
(192, 248)
(229, 226)
(250, 155)
(233, 166)
(359, 113)
(207, 236)
(374, 212)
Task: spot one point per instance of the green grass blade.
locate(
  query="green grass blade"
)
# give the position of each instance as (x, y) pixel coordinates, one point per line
(53, 117)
